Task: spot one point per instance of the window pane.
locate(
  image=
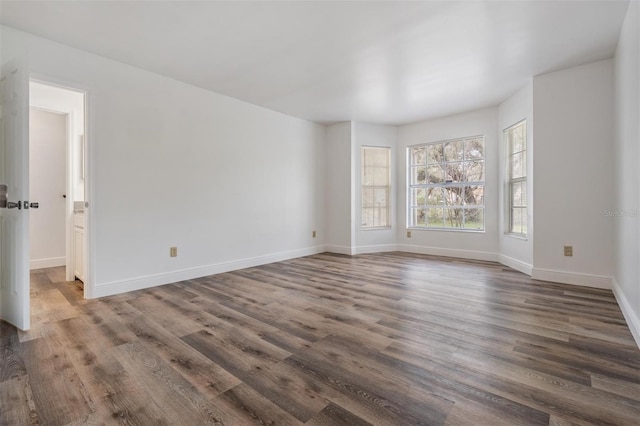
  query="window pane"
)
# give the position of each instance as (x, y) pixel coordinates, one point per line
(474, 195)
(418, 175)
(376, 217)
(380, 197)
(523, 218)
(365, 155)
(435, 218)
(419, 216)
(516, 220)
(418, 196)
(518, 194)
(435, 197)
(367, 176)
(517, 139)
(474, 149)
(367, 217)
(454, 172)
(453, 196)
(418, 156)
(454, 151)
(372, 156)
(435, 154)
(435, 174)
(453, 217)
(474, 219)
(474, 171)
(518, 165)
(378, 157)
(381, 218)
(380, 176)
(367, 197)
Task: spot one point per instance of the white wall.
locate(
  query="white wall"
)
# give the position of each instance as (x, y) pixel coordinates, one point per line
(47, 185)
(230, 184)
(339, 187)
(374, 240)
(573, 180)
(516, 252)
(627, 170)
(475, 245)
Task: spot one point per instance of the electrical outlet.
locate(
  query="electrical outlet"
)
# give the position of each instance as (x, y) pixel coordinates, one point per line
(568, 251)
(313, 234)
(408, 234)
(173, 251)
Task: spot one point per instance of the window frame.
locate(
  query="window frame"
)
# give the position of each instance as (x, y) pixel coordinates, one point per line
(511, 181)
(476, 184)
(386, 188)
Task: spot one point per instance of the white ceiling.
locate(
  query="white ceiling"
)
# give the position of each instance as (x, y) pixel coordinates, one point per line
(327, 61)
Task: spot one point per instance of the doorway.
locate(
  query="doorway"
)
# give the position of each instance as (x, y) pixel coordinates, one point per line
(57, 237)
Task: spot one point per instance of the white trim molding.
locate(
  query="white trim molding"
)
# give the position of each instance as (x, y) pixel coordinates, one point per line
(438, 251)
(584, 280)
(516, 264)
(47, 263)
(383, 248)
(349, 251)
(139, 283)
(633, 322)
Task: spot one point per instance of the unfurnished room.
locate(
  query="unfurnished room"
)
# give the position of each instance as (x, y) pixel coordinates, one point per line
(320, 212)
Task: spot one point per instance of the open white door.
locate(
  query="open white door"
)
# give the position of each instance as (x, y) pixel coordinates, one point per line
(14, 213)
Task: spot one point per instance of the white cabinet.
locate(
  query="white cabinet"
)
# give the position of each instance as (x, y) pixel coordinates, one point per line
(78, 245)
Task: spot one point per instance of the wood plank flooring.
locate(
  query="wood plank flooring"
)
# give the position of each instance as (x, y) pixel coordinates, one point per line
(381, 339)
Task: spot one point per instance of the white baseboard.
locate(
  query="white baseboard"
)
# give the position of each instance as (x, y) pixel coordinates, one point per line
(381, 248)
(585, 280)
(116, 287)
(437, 251)
(632, 317)
(516, 264)
(349, 251)
(47, 263)
(139, 283)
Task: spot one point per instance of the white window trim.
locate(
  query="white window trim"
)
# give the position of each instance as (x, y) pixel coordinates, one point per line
(409, 206)
(509, 181)
(388, 188)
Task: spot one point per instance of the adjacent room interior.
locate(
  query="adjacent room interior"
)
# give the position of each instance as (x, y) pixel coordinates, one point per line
(327, 213)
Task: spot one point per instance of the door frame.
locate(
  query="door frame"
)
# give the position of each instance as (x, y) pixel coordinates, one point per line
(88, 153)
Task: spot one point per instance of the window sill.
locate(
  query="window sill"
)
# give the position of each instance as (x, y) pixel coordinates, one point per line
(377, 228)
(464, 231)
(516, 236)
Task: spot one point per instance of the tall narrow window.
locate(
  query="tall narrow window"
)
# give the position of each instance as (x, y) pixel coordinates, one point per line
(376, 187)
(516, 139)
(446, 185)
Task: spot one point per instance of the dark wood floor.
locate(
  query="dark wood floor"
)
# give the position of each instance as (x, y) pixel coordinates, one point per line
(382, 339)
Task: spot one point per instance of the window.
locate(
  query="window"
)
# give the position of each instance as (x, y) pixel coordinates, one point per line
(446, 185)
(516, 139)
(376, 187)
